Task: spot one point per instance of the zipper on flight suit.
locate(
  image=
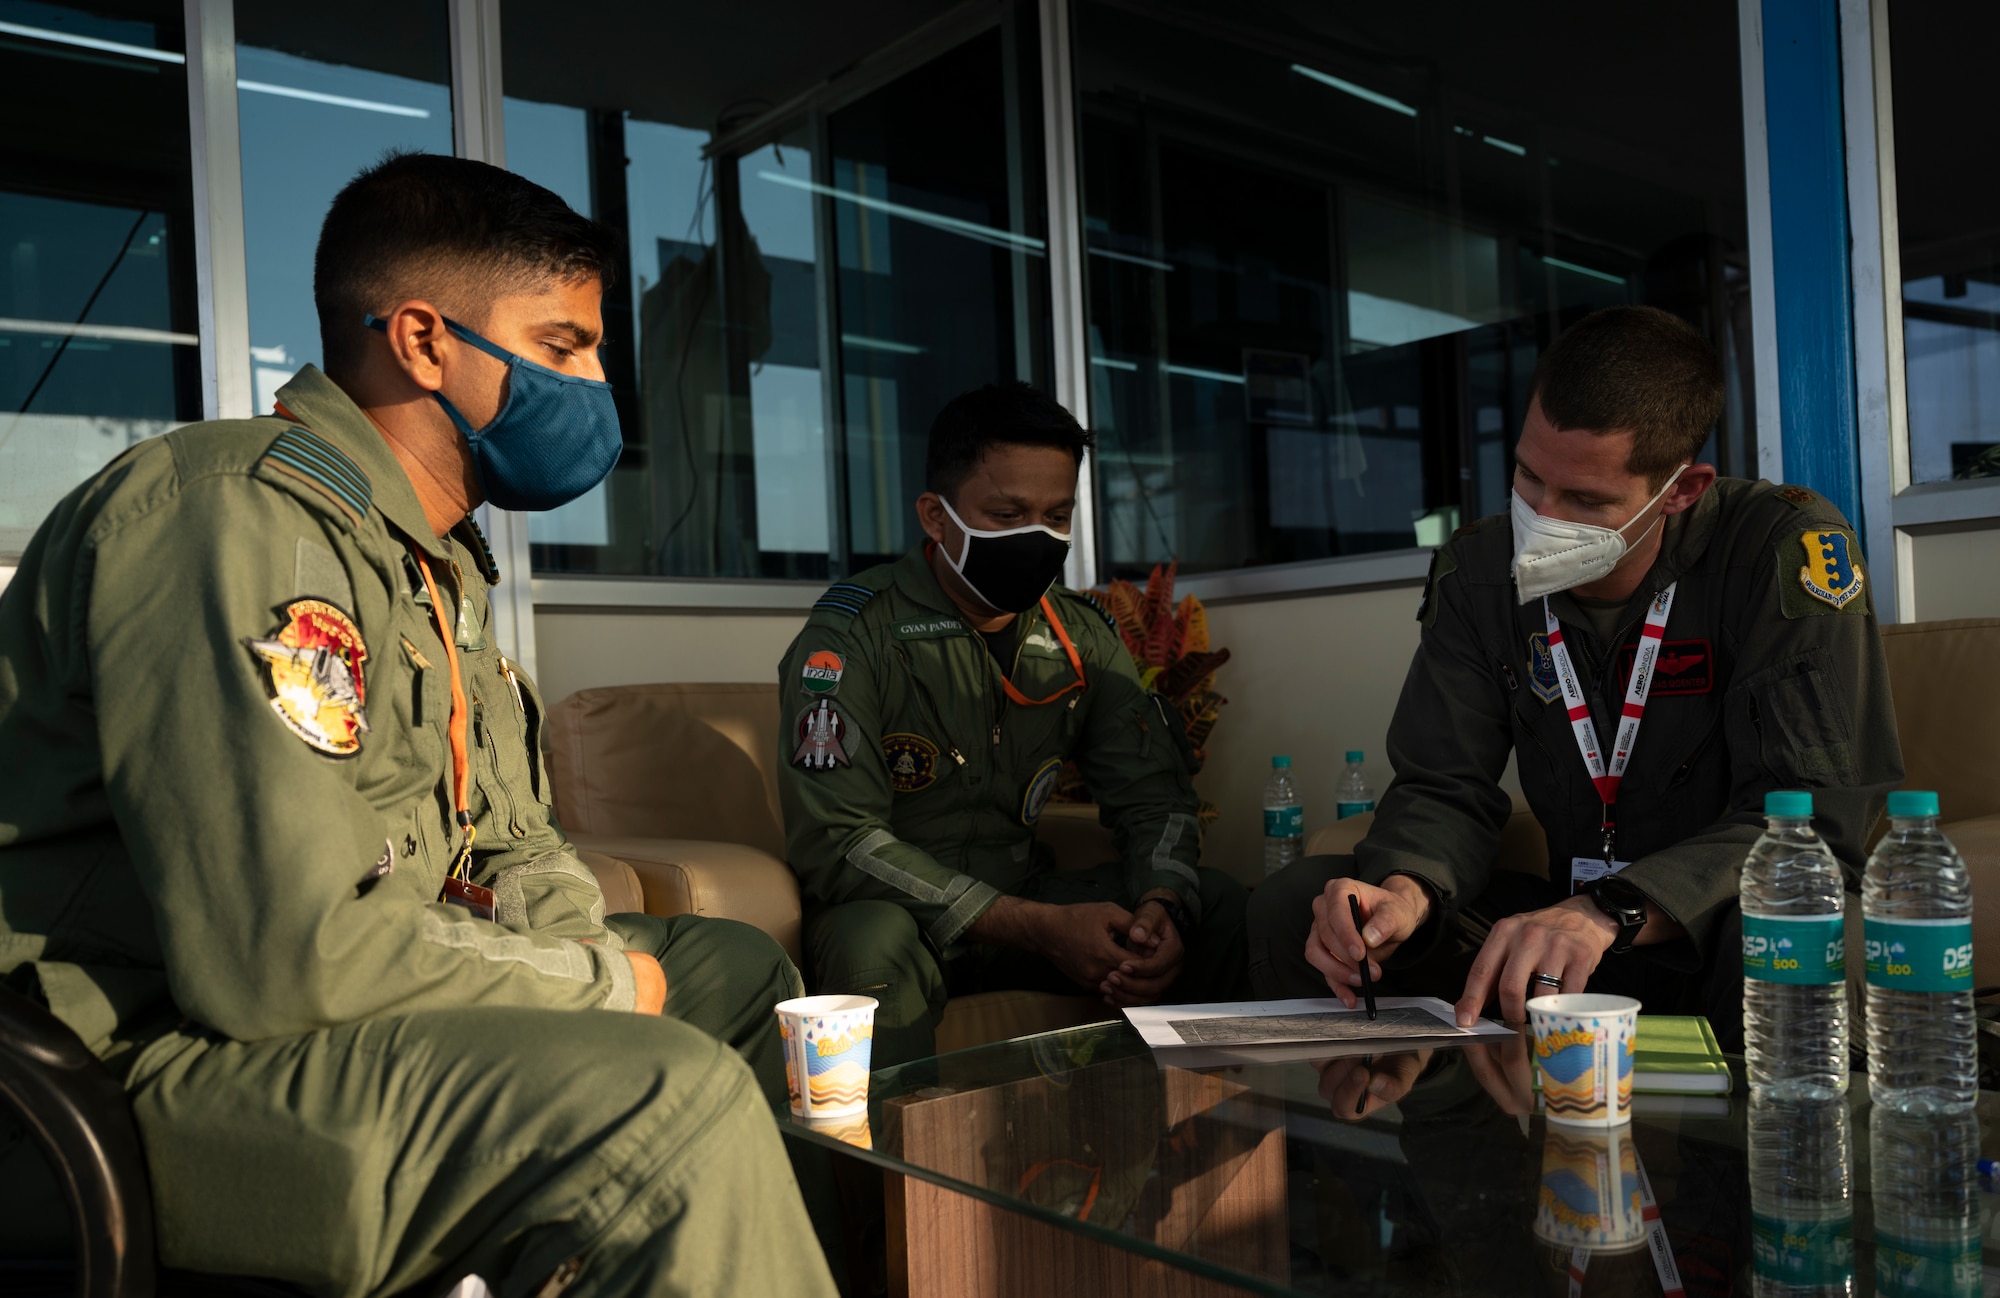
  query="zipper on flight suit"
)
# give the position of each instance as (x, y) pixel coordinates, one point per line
(930, 706)
(499, 795)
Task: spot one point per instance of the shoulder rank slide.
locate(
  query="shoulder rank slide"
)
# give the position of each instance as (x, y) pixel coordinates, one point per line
(845, 597)
(303, 454)
(1090, 598)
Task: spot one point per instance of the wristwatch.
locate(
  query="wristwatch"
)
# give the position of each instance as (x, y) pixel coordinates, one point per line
(1627, 907)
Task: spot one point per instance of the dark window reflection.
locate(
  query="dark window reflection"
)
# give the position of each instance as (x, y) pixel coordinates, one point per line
(942, 262)
(97, 306)
(1326, 249)
(1948, 219)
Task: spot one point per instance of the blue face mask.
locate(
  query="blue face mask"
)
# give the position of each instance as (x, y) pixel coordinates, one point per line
(555, 436)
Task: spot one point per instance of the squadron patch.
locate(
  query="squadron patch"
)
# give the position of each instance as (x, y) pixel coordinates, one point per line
(822, 734)
(1542, 668)
(912, 761)
(821, 674)
(1040, 790)
(312, 667)
(1832, 577)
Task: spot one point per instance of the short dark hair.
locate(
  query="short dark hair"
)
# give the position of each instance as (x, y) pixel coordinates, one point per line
(1635, 368)
(999, 414)
(457, 232)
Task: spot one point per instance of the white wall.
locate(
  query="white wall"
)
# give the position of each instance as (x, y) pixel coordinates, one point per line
(1957, 574)
(577, 650)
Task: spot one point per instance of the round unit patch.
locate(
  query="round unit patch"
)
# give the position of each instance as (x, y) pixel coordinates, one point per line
(312, 669)
(822, 672)
(1040, 790)
(912, 761)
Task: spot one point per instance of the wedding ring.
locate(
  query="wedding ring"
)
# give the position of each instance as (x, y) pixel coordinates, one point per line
(1551, 980)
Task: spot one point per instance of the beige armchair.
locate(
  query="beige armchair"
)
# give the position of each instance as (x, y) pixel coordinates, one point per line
(671, 794)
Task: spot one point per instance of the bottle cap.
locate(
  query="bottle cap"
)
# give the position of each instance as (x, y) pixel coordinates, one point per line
(1913, 802)
(1788, 802)
(1280, 762)
(1355, 754)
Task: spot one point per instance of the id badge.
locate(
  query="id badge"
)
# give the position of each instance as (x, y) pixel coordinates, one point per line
(1589, 869)
(474, 898)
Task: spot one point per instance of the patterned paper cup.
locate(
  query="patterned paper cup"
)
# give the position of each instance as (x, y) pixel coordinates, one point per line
(828, 1043)
(1590, 1190)
(1583, 1048)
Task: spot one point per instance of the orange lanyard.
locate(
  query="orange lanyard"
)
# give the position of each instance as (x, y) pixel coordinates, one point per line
(1075, 664)
(461, 765)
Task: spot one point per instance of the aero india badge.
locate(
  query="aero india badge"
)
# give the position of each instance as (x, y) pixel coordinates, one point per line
(313, 671)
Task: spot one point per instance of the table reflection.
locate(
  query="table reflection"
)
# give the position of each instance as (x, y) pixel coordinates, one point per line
(1801, 1198)
(1925, 1189)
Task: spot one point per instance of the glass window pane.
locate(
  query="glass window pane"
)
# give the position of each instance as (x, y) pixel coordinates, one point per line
(1948, 221)
(318, 100)
(722, 330)
(97, 307)
(1326, 250)
(943, 262)
(712, 340)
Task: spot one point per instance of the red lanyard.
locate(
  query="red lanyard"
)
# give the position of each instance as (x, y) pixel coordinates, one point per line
(1607, 778)
(461, 766)
(1075, 664)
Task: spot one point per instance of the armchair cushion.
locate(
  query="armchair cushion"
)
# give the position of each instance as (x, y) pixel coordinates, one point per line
(680, 876)
(669, 761)
(1947, 714)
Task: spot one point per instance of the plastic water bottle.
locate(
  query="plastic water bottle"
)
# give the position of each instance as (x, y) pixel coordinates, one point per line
(1801, 1198)
(1354, 796)
(1284, 818)
(1794, 957)
(1924, 1182)
(1916, 910)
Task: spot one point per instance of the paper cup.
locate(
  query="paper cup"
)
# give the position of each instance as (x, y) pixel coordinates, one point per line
(1583, 1047)
(1590, 1190)
(828, 1043)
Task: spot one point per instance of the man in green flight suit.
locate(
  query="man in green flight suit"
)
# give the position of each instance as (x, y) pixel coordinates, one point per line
(1717, 635)
(275, 835)
(929, 706)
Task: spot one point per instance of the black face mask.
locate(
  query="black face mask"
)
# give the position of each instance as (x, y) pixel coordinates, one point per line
(1010, 570)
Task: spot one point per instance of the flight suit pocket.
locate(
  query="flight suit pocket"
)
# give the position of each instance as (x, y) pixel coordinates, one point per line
(1799, 718)
(534, 724)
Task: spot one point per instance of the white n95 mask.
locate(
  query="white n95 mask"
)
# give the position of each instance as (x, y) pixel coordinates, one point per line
(1552, 555)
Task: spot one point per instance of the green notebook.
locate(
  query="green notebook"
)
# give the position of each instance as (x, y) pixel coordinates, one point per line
(1675, 1055)
(1678, 1055)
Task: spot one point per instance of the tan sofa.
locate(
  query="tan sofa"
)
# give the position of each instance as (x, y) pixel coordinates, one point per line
(1948, 719)
(671, 793)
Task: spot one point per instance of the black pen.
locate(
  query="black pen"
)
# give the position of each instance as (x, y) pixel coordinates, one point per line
(1367, 988)
(1361, 1105)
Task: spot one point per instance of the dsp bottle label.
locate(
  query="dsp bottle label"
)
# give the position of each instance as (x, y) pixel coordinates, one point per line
(1807, 949)
(1284, 822)
(1814, 1254)
(1919, 955)
(1342, 810)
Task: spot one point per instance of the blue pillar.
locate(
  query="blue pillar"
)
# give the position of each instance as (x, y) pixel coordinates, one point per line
(1809, 249)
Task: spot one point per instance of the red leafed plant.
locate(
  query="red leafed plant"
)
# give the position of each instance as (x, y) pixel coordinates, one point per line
(1169, 645)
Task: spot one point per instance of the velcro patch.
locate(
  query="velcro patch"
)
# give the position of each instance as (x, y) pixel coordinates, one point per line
(1542, 668)
(1821, 573)
(844, 597)
(928, 628)
(1683, 667)
(312, 669)
(821, 674)
(822, 738)
(1040, 789)
(912, 761)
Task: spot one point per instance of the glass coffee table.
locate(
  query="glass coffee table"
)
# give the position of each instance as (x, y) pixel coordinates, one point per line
(1075, 1163)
